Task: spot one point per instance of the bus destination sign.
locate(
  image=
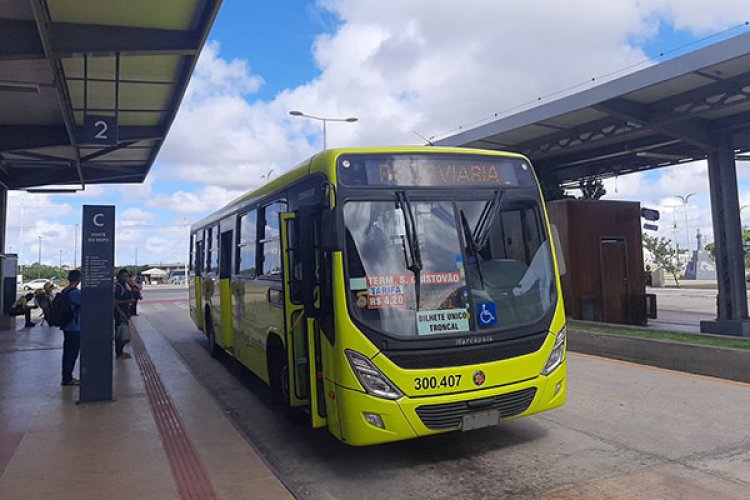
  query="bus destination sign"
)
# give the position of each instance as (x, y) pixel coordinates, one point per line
(434, 170)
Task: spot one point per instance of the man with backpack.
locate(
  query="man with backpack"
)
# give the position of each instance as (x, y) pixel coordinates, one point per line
(70, 298)
(124, 300)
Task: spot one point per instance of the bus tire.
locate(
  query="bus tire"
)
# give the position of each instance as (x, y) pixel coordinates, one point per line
(213, 347)
(278, 371)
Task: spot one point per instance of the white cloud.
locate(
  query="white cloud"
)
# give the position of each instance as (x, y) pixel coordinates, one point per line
(136, 217)
(202, 201)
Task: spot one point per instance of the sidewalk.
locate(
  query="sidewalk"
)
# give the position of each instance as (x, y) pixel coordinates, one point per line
(163, 437)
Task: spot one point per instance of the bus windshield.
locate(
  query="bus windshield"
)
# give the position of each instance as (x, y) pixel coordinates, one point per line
(483, 265)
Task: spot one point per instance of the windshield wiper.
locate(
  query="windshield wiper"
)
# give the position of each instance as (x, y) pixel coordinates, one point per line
(471, 246)
(413, 257)
(486, 220)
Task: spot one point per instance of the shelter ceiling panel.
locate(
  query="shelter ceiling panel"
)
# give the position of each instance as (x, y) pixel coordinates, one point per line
(522, 134)
(153, 68)
(669, 88)
(148, 119)
(144, 119)
(731, 68)
(26, 71)
(164, 14)
(26, 108)
(159, 68)
(65, 152)
(127, 154)
(16, 9)
(737, 109)
(98, 67)
(144, 96)
(575, 118)
(101, 95)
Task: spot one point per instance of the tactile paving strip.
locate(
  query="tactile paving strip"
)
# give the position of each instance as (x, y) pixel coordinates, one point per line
(187, 469)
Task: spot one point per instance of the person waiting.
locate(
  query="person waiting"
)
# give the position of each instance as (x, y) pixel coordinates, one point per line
(43, 298)
(22, 306)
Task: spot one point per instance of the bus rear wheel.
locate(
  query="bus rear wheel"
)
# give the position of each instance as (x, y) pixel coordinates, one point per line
(213, 347)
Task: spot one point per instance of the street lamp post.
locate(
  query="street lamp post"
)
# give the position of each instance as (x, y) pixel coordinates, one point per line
(75, 249)
(674, 230)
(267, 175)
(39, 260)
(685, 199)
(350, 119)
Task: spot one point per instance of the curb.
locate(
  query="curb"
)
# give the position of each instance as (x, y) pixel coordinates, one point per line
(720, 362)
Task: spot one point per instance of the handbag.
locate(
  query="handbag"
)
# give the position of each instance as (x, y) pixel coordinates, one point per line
(122, 333)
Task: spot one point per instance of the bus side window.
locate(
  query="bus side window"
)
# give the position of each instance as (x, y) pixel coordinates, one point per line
(207, 233)
(246, 255)
(270, 241)
(198, 256)
(191, 252)
(225, 254)
(215, 249)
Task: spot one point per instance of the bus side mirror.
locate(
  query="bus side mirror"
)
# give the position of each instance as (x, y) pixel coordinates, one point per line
(561, 268)
(329, 237)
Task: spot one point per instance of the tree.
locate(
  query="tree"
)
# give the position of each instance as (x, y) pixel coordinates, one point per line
(663, 255)
(591, 189)
(36, 270)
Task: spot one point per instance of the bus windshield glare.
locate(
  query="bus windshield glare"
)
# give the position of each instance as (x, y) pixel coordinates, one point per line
(449, 267)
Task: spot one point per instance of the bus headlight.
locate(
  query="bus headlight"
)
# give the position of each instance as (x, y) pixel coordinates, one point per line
(557, 355)
(371, 378)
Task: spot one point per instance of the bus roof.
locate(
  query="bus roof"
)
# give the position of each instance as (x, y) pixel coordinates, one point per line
(324, 163)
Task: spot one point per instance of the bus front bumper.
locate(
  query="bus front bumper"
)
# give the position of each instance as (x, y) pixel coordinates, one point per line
(367, 420)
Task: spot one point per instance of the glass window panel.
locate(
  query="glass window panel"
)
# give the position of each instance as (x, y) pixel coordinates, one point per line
(271, 241)
(246, 247)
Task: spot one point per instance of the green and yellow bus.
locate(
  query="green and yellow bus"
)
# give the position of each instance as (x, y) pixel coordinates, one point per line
(389, 293)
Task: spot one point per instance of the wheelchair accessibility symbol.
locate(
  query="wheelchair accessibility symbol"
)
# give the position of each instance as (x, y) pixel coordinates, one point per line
(486, 314)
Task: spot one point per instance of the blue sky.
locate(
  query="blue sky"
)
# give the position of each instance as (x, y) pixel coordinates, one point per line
(396, 65)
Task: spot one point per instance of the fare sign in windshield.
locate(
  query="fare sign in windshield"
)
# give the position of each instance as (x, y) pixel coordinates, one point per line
(436, 170)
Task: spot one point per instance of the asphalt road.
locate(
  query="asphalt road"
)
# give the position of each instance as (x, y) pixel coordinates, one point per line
(627, 431)
(682, 309)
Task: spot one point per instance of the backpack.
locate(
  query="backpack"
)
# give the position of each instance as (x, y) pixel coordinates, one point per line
(61, 311)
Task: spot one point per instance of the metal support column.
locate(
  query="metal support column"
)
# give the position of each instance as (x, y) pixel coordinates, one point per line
(6, 322)
(732, 318)
(3, 216)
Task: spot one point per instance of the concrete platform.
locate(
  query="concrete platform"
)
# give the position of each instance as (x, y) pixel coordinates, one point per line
(51, 447)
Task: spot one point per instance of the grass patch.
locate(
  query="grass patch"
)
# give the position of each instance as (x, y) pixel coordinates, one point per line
(682, 338)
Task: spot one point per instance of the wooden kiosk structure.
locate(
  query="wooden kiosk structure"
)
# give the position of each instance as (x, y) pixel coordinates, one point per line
(601, 242)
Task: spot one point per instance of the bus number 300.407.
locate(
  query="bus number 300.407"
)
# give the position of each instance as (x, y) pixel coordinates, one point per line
(424, 383)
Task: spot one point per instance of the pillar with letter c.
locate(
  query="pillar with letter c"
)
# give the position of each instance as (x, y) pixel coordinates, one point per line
(97, 302)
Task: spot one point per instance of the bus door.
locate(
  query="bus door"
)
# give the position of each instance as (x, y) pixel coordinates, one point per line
(196, 307)
(225, 293)
(302, 330)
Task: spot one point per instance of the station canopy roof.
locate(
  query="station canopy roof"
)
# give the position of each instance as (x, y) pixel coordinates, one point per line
(123, 60)
(665, 114)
